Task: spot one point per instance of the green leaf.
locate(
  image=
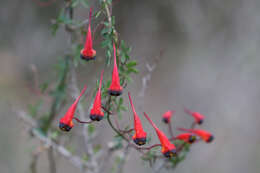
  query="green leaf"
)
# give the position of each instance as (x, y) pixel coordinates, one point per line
(85, 157)
(44, 86)
(91, 129)
(134, 70)
(54, 134)
(84, 3)
(98, 14)
(54, 28)
(131, 64)
(74, 3)
(96, 148)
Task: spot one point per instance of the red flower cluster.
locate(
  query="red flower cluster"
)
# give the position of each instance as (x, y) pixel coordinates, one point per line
(139, 138)
(96, 113)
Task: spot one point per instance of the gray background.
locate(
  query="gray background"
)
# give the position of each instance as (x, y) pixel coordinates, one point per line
(210, 64)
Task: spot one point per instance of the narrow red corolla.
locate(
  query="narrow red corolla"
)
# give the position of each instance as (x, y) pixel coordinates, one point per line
(168, 149)
(187, 137)
(199, 118)
(115, 88)
(166, 117)
(140, 135)
(88, 53)
(96, 113)
(206, 136)
(66, 122)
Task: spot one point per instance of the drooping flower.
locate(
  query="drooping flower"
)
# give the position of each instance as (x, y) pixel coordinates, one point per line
(199, 118)
(203, 134)
(115, 88)
(96, 113)
(66, 122)
(168, 149)
(166, 117)
(140, 135)
(186, 137)
(88, 53)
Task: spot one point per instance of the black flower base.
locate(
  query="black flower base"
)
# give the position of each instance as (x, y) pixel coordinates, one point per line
(165, 120)
(114, 92)
(64, 127)
(95, 117)
(200, 122)
(87, 58)
(140, 141)
(170, 153)
(211, 138)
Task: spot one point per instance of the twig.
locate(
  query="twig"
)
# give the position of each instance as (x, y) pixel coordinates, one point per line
(52, 162)
(148, 76)
(33, 164)
(82, 122)
(170, 130)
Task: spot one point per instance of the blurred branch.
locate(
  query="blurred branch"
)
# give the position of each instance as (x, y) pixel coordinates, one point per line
(75, 160)
(52, 162)
(123, 160)
(148, 76)
(58, 98)
(33, 164)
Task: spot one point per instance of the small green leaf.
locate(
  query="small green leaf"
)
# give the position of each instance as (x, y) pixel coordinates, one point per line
(96, 148)
(91, 129)
(134, 70)
(85, 157)
(131, 64)
(84, 3)
(74, 3)
(97, 14)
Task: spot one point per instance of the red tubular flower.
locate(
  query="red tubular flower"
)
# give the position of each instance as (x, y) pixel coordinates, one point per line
(206, 136)
(168, 149)
(186, 137)
(140, 135)
(115, 88)
(66, 122)
(96, 113)
(88, 53)
(197, 116)
(166, 117)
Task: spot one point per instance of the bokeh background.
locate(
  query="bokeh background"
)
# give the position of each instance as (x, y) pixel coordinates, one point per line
(210, 64)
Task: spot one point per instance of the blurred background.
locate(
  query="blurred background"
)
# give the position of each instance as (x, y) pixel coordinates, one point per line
(210, 63)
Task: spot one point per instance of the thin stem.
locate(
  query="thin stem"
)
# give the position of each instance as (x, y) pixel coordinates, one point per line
(193, 125)
(170, 130)
(33, 164)
(150, 147)
(83, 122)
(112, 126)
(52, 163)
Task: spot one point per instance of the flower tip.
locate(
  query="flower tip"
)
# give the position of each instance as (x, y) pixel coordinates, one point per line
(200, 121)
(165, 120)
(170, 153)
(140, 141)
(192, 139)
(115, 92)
(210, 139)
(84, 55)
(65, 127)
(96, 117)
